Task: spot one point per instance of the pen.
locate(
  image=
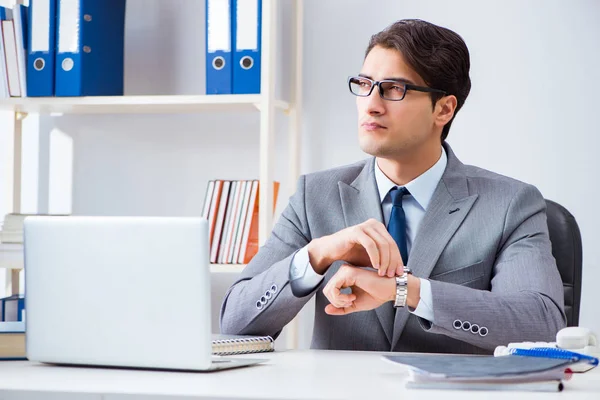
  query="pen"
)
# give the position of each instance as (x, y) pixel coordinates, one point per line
(543, 386)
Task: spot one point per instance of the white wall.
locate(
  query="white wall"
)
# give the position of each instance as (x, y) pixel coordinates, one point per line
(530, 113)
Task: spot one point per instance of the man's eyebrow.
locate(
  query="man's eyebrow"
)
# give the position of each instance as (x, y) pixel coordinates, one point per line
(397, 79)
(400, 79)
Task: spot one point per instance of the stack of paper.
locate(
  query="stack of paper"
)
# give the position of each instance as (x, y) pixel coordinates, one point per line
(429, 371)
(12, 341)
(12, 228)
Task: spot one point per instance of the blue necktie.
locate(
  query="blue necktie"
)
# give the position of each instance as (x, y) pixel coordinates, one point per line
(397, 224)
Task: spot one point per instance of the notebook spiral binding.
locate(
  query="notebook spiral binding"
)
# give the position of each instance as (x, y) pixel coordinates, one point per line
(258, 344)
(554, 353)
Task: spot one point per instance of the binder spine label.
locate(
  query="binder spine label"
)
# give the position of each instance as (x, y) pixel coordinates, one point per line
(219, 26)
(246, 37)
(68, 34)
(40, 27)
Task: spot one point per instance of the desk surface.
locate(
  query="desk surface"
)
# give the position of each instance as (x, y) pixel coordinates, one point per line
(287, 375)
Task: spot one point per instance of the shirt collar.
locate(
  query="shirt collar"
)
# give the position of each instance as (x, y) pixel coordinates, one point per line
(421, 188)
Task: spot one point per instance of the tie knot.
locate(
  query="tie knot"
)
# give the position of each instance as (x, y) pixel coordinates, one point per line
(397, 193)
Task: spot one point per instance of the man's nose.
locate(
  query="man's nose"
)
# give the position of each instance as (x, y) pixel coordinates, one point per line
(374, 102)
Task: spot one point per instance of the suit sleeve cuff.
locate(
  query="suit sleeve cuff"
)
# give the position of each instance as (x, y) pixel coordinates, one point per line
(303, 278)
(425, 307)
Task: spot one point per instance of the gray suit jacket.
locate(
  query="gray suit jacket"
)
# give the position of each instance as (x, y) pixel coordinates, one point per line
(483, 244)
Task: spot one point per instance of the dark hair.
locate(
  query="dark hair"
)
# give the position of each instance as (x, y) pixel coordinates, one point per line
(439, 55)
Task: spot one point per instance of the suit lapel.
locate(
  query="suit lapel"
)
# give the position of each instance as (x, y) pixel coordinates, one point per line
(448, 208)
(360, 202)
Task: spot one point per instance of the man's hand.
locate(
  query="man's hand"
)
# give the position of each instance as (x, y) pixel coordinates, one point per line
(369, 290)
(366, 244)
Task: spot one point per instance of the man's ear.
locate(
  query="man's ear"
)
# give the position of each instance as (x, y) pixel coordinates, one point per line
(444, 110)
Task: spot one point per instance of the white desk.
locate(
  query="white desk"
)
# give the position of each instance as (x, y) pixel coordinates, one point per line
(287, 375)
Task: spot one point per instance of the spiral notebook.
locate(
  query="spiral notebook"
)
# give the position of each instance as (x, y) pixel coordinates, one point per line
(225, 345)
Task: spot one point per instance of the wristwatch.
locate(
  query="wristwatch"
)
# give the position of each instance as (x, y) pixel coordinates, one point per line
(402, 288)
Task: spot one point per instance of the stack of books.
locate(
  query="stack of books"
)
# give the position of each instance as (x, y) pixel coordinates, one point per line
(12, 341)
(231, 208)
(11, 230)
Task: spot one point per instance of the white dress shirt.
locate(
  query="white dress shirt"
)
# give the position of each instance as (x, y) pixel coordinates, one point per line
(414, 205)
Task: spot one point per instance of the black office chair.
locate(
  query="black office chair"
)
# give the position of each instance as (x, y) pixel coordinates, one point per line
(567, 250)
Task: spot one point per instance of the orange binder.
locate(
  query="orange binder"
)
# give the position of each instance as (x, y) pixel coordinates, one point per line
(251, 246)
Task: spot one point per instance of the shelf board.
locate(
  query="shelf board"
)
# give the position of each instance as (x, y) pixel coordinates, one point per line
(175, 104)
(11, 257)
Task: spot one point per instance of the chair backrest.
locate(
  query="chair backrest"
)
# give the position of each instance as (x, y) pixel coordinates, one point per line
(567, 250)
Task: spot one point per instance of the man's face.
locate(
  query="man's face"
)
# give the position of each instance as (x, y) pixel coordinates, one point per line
(390, 129)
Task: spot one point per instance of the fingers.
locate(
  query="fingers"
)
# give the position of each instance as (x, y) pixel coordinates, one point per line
(381, 248)
(369, 244)
(338, 299)
(341, 300)
(331, 310)
(342, 279)
(369, 290)
(400, 268)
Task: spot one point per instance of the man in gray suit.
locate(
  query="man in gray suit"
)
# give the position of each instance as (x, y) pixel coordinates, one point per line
(409, 250)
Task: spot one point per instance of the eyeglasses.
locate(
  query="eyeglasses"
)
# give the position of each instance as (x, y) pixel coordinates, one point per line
(388, 89)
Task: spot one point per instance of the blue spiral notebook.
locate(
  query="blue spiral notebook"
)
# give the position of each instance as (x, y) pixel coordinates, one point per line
(550, 352)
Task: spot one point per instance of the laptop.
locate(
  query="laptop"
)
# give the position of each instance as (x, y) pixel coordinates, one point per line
(120, 292)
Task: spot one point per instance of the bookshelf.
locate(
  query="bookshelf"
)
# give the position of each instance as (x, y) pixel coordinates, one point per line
(265, 103)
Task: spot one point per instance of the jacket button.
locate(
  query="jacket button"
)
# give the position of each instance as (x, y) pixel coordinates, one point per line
(483, 331)
(259, 305)
(466, 326)
(474, 328)
(457, 324)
